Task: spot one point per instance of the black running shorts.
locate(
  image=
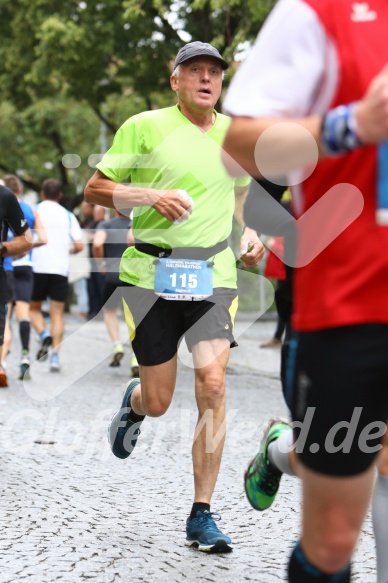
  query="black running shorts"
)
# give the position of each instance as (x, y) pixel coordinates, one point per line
(49, 285)
(156, 325)
(10, 287)
(3, 313)
(112, 297)
(23, 283)
(337, 387)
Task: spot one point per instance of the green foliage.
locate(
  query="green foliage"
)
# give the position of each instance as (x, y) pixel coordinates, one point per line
(29, 136)
(66, 66)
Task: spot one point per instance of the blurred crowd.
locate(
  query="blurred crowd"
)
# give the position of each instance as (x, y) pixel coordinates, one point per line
(72, 264)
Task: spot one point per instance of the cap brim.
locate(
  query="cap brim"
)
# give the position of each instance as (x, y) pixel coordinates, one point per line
(223, 63)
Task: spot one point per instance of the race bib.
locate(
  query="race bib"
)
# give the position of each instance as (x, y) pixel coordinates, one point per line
(183, 279)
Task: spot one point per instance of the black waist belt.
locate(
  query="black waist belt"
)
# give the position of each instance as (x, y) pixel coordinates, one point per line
(181, 252)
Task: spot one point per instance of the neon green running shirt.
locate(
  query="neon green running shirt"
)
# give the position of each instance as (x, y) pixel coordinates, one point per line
(162, 149)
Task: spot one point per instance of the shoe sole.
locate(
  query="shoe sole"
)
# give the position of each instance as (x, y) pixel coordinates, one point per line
(113, 434)
(135, 371)
(218, 548)
(24, 373)
(116, 359)
(43, 351)
(265, 430)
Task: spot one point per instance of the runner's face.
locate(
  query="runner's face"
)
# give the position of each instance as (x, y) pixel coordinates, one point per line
(199, 83)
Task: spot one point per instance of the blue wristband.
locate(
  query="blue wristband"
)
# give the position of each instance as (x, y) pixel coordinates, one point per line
(338, 132)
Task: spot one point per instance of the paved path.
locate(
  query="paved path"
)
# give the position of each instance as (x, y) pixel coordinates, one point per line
(72, 512)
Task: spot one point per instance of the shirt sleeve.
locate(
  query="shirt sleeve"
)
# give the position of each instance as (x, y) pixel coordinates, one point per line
(14, 215)
(75, 228)
(282, 72)
(101, 226)
(242, 181)
(123, 156)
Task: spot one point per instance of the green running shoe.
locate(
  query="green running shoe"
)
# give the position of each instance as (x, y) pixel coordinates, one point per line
(134, 367)
(118, 353)
(262, 479)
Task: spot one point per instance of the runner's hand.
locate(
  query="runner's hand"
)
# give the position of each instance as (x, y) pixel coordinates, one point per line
(372, 111)
(251, 248)
(173, 206)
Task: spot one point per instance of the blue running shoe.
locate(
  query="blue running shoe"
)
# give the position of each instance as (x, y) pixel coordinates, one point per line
(203, 534)
(123, 433)
(54, 362)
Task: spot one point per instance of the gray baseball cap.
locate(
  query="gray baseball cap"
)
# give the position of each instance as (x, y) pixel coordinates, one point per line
(198, 49)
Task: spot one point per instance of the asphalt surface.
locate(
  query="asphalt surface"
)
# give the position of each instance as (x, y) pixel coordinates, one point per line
(70, 511)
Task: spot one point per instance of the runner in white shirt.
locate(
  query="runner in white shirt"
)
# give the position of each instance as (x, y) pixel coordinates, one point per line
(51, 268)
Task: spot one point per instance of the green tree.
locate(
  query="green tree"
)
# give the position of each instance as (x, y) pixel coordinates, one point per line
(66, 66)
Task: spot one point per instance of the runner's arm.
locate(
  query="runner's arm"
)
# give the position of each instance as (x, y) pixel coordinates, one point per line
(18, 245)
(22, 240)
(251, 248)
(294, 145)
(288, 143)
(76, 246)
(39, 234)
(130, 238)
(98, 246)
(101, 190)
(240, 194)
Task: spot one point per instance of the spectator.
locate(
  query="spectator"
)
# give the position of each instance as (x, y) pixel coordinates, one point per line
(275, 269)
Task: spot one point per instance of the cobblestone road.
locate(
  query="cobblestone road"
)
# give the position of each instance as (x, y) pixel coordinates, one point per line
(72, 512)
